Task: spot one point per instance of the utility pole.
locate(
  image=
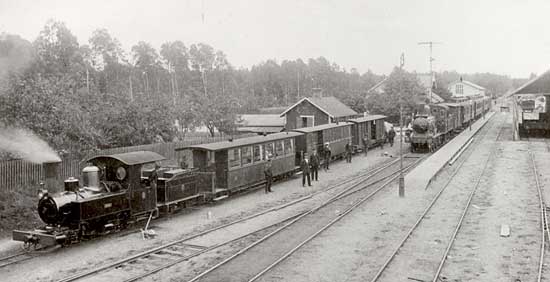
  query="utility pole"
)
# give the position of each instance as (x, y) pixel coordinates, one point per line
(430, 43)
(401, 177)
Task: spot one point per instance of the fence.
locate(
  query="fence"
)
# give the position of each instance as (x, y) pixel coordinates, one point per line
(18, 173)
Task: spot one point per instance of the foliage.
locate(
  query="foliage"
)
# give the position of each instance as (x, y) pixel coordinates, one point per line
(82, 97)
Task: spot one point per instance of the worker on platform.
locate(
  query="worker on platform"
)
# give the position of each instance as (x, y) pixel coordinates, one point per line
(268, 176)
(365, 144)
(348, 152)
(327, 154)
(391, 136)
(315, 162)
(305, 165)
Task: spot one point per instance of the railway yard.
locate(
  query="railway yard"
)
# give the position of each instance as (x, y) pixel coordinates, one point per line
(480, 219)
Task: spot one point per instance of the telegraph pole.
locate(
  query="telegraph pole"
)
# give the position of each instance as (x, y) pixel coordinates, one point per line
(430, 43)
(401, 177)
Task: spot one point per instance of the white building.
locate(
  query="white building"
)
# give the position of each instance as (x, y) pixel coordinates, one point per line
(463, 88)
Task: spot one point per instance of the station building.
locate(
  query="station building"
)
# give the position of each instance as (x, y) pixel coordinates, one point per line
(464, 89)
(318, 110)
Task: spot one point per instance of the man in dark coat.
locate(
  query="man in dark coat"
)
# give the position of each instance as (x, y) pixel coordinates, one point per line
(365, 144)
(348, 152)
(268, 176)
(391, 136)
(327, 154)
(154, 176)
(315, 161)
(305, 165)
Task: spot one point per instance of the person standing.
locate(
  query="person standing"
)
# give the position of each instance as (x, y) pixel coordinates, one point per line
(268, 176)
(348, 152)
(315, 166)
(327, 154)
(305, 165)
(391, 136)
(154, 176)
(365, 144)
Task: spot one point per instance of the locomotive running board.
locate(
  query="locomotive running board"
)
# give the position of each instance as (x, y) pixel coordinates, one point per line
(37, 237)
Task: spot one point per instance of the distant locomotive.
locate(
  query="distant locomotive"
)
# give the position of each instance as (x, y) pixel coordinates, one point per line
(436, 123)
(115, 190)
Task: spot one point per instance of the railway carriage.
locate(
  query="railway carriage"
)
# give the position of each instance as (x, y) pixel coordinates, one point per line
(371, 126)
(239, 164)
(337, 135)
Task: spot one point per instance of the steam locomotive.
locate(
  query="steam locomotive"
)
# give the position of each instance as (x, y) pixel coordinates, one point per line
(117, 190)
(436, 123)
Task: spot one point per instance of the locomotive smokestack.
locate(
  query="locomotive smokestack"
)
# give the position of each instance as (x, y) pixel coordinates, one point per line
(51, 175)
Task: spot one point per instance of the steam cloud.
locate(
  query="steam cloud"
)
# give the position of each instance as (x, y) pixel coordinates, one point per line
(24, 144)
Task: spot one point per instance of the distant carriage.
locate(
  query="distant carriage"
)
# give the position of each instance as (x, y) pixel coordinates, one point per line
(372, 127)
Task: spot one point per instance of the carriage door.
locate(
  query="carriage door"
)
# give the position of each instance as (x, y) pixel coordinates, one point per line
(373, 130)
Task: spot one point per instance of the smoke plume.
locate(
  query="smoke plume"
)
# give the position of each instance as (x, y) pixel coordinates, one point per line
(25, 145)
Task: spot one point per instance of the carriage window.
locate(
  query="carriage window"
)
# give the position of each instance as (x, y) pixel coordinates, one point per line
(246, 155)
(279, 148)
(234, 157)
(288, 146)
(258, 152)
(269, 150)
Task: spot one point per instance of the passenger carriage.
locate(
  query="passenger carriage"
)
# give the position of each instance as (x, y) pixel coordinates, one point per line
(337, 135)
(371, 126)
(239, 164)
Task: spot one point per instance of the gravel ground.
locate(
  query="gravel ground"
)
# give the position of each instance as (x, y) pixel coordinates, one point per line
(508, 197)
(355, 248)
(114, 247)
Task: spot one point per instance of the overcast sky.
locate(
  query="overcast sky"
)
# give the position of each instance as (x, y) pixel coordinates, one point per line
(501, 36)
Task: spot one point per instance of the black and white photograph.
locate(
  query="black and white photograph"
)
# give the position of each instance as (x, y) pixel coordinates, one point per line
(271, 141)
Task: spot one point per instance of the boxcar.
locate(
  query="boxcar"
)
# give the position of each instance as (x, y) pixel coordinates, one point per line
(371, 126)
(337, 135)
(239, 164)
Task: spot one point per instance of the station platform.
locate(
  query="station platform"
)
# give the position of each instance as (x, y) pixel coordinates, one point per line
(420, 176)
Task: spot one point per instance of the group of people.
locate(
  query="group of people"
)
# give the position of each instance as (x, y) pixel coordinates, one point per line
(310, 164)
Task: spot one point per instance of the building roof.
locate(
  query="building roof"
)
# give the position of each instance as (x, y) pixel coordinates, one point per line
(537, 85)
(133, 158)
(261, 129)
(469, 83)
(367, 118)
(329, 105)
(435, 98)
(241, 142)
(272, 110)
(321, 127)
(261, 120)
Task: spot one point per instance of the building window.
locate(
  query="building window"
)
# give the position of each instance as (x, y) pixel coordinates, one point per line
(234, 157)
(258, 153)
(288, 147)
(269, 150)
(246, 155)
(279, 148)
(459, 89)
(307, 121)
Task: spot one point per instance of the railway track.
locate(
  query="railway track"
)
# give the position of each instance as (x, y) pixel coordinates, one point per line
(15, 258)
(400, 256)
(256, 259)
(545, 232)
(181, 250)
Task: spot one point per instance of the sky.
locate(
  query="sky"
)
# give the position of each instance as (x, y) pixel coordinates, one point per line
(508, 37)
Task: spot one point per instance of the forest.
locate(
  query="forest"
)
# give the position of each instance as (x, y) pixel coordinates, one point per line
(81, 97)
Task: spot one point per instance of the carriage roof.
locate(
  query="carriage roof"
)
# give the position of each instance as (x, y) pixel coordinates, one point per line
(367, 118)
(322, 127)
(242, 142)
(132, 158)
